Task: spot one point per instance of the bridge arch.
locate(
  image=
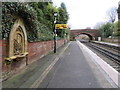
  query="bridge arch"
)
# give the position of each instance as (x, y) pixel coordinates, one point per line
(93, 34)
(89, 35)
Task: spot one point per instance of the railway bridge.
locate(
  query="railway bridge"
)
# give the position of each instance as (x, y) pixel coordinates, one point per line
(93, 34)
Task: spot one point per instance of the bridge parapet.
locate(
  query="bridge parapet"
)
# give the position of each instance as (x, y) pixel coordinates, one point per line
(91, 33)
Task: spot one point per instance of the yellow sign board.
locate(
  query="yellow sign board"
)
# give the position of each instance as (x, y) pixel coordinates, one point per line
(61, 26)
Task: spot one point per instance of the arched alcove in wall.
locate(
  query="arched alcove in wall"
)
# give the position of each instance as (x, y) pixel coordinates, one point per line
(17, 41)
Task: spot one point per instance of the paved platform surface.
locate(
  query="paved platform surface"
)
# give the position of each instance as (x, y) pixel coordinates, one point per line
(26, 77)
(109, 71)
(73, 70)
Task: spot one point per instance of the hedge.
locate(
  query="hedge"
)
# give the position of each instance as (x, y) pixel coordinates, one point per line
(35, 30)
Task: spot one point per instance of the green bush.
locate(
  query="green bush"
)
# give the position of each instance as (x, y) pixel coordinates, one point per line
(35, 30)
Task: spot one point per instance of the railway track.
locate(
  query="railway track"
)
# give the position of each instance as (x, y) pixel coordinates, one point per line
(108, 53)
(113, 48)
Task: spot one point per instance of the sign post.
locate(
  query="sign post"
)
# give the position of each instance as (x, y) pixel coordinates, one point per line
(61, 26)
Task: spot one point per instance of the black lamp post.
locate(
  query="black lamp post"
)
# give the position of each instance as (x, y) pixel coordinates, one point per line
(55, 15)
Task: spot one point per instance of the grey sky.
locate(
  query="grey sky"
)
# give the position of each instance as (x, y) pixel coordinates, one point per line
(86, 13)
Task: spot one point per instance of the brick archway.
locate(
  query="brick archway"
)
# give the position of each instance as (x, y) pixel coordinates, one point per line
(90, 36)
(93, 34)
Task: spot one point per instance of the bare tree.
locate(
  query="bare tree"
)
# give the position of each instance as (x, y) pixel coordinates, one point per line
(118, 10)
(88, 27)
(112, 14)
(98, 25)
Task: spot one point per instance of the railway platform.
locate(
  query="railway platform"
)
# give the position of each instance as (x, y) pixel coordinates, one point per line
(107, 43)
(73, 66)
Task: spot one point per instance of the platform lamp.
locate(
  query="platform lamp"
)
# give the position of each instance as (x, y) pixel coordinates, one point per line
(55, 15)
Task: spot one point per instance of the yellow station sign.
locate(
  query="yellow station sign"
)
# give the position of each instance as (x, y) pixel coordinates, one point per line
(61, 26)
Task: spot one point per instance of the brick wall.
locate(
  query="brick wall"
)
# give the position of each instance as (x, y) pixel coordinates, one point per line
(3, 46)
(36, 50)
(39, 49)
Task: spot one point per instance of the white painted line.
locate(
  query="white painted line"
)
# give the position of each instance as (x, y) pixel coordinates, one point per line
(44, 74)
(111, 72)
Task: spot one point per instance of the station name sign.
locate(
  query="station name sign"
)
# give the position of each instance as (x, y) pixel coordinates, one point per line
(61, 26)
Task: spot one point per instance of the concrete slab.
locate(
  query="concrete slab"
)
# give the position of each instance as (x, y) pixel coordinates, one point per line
(72, 70)
(111, 72)
(28, 77)
(111, 44)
